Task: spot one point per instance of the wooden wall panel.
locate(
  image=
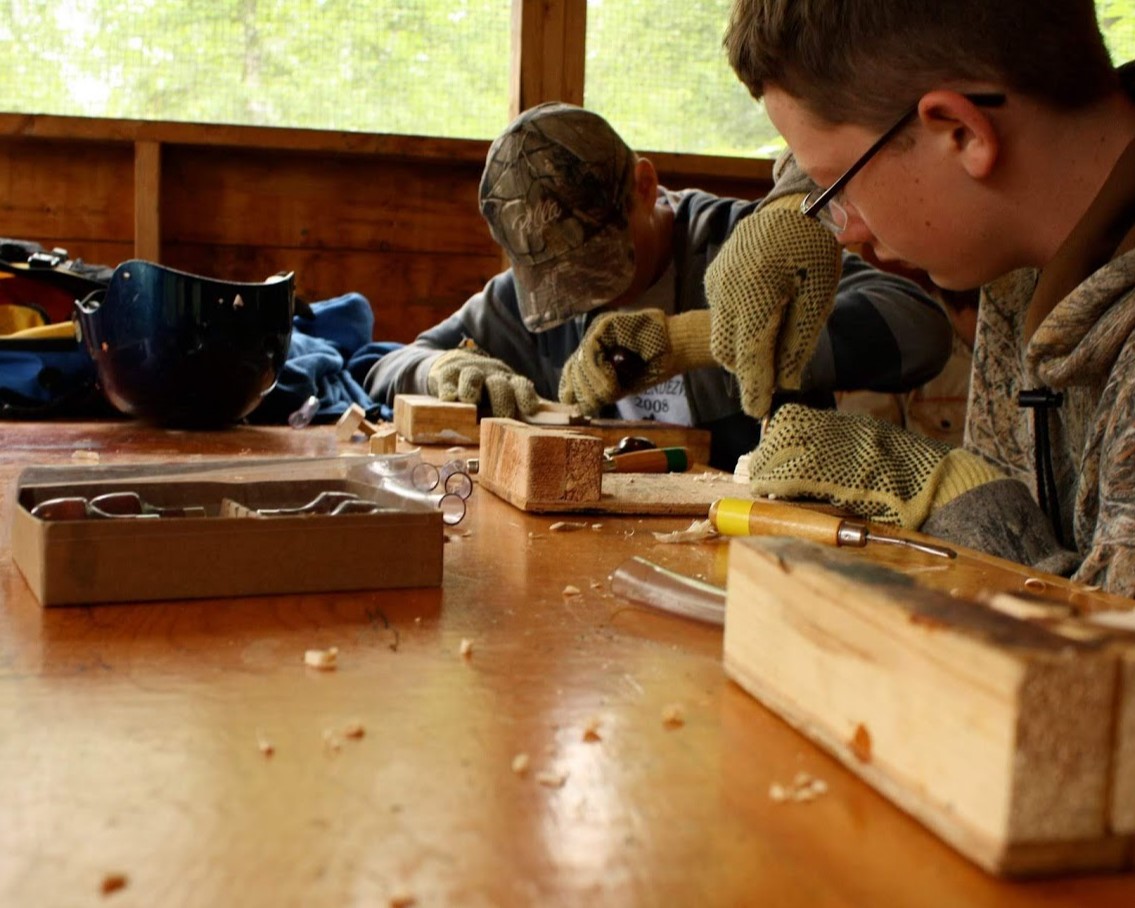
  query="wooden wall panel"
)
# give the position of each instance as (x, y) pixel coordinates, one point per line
(408, 292)
(80, 196)
(402, 229)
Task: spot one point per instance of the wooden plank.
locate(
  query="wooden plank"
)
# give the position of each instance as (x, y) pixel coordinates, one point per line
(425, 420)
(530, 466)
(147, 200)
(250, 197)
(548, 52)
(60, 190)
(995, 732)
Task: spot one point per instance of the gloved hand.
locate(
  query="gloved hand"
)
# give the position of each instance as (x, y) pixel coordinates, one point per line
(870, 468)
(467, 374)
(624, 352)
(770, 290)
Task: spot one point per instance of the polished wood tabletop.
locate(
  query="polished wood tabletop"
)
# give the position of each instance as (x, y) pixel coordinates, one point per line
(181, 753)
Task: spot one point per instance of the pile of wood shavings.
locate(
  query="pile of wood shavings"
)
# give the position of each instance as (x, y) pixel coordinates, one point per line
(804, 788)
(696, 532)
(323, 659)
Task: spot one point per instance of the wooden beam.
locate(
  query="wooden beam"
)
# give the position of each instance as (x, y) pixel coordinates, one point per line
(999, 733)
(548, 44)
(147, 200)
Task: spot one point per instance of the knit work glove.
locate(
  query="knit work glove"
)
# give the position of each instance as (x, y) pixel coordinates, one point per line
(770, 290)
(625, 352)
(869, 468)
(468, 375)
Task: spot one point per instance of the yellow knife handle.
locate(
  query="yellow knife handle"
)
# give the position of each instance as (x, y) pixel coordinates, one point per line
(744, 517)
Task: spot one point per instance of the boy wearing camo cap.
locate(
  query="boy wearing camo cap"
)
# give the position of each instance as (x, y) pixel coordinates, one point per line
(605, 261)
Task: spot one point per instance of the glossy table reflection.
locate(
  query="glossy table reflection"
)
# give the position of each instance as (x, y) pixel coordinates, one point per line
(130, 738)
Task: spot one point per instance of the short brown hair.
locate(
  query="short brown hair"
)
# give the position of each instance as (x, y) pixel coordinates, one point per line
(865, 61)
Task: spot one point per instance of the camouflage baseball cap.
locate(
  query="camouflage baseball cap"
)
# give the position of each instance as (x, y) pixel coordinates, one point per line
(556, 193)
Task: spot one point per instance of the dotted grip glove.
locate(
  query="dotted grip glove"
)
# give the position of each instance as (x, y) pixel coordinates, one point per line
(869, 468)
(467, 375)
(770, 290)
(625, 352)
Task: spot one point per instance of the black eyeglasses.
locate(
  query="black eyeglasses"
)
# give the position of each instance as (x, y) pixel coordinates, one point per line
(822, 204)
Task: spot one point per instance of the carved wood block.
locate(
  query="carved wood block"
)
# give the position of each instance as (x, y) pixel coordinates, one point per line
(1009, 738)
(425, 420)
(527, 465)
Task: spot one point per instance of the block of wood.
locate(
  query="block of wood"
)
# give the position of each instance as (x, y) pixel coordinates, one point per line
(532, 467)
(554, 470)
(425, 420)
(1004, 722)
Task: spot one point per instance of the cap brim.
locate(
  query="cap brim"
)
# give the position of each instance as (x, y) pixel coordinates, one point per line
(596, 273)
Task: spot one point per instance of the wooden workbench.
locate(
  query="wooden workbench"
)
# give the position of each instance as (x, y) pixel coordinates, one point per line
(131, 758)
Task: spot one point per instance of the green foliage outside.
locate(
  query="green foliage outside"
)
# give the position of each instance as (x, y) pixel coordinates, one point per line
(655, 68)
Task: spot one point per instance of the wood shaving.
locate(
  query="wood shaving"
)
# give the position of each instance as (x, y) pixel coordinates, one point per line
(331, 742)
(591, 730)
(85, 456)
(696, 532)
(596, 526)
(551, 778)
(354, 730)
(1035, 583)
(570, 590)
(673, 715)
(804, 788)
(520, 763)
(466, 648)
(596, 585)
(402, 900)
(112, 882)
(566, 526)
(325, 660)
(265, 746)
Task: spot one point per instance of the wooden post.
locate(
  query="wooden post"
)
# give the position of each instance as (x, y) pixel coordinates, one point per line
(548, 43)
(147, 200)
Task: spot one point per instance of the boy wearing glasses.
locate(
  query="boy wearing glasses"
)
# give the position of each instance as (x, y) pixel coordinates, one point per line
(1006, 164)
(605, 304)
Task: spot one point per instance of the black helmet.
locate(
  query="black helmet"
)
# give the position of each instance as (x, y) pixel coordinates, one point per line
(185, 350)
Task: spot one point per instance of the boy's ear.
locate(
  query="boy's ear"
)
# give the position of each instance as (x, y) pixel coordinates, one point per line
(645, 181)
(965, 128)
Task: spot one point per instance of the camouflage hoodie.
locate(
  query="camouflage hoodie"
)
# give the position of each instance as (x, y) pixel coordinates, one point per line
(1084, 348)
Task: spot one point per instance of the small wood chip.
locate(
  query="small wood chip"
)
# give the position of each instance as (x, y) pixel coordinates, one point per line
(520, 764)
(331, 741)
(112, 882)
(804, 788)
(566, 526)
(591, 730)
(85, 456)
(550, 778)
(323, 659)
(354, 730)
(1035, 583)
(466, 648)
(266, 747)
(402, 900)
(695, 532)
(673, 716)
(570, 590)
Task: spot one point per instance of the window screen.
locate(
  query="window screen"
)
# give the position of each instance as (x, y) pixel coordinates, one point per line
(430, 67)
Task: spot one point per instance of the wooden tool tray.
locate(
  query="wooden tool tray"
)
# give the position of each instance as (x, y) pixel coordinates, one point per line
(219, 554)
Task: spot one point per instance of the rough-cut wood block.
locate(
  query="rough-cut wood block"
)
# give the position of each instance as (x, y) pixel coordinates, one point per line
(384, 440)
(1009, 738)
(425, 420)
(350, 422)
(527, 465)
